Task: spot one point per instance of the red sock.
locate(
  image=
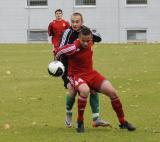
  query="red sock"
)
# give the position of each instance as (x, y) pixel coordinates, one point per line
(117, 106)
(82, 101)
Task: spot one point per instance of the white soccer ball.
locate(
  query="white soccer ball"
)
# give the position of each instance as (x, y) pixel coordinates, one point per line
(56, 68)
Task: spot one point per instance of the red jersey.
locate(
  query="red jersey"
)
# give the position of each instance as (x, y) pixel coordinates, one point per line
(55, 29)
(79, 59)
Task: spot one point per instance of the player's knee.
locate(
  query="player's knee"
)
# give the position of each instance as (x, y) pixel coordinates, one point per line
(71, 91)
(93, 92)
(113, 94)
(84, 90)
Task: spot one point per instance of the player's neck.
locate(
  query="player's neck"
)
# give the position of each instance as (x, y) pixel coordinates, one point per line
(58, 19)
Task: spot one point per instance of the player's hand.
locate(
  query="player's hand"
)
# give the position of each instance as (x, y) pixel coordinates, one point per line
(55, 51)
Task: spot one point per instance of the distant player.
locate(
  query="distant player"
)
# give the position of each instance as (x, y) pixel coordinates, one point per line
(57, 27)
(84, 78)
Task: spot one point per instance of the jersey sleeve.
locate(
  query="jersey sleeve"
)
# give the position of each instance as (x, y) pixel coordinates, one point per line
(50, 30)
(67, 50)
(96, 37)
(65, 37)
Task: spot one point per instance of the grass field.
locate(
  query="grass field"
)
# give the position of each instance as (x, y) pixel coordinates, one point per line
(32, 104)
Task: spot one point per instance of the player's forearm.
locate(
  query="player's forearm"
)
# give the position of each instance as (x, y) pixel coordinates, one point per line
(65, 50)
(51, 33)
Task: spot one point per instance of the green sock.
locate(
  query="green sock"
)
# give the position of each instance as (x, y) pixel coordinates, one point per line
(69, 102)
(94, 103)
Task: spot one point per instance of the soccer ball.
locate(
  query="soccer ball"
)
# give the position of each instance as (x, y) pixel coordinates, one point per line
(56, 68)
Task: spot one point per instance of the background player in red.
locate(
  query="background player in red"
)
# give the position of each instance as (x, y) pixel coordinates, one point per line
(84, 78)
(57, 27)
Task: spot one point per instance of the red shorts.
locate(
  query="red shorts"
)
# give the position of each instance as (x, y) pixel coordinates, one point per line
(93, 79)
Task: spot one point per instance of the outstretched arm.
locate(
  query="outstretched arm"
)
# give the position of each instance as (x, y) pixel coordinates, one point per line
(67, 50)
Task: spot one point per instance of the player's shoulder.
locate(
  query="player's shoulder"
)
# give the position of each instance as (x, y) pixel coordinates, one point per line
(83, 26)
(52, 22)
(68, 30)
(65, 22)
(77, 41)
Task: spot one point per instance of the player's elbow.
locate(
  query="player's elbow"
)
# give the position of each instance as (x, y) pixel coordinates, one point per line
(97, 37)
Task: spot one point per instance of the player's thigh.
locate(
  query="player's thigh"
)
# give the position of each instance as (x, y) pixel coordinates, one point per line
(80, 85)
(107, 89)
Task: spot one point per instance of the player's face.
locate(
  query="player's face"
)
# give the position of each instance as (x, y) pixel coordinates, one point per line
(76, 22)
(85, 40)
(58, 15)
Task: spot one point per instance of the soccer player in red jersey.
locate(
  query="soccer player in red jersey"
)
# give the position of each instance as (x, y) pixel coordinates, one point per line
(68, 37)
(57, 27)
(84, 78)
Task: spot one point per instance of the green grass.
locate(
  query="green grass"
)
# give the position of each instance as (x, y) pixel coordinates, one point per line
(33, 103)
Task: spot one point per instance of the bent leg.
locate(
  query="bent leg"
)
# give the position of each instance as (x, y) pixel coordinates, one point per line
(109, 90)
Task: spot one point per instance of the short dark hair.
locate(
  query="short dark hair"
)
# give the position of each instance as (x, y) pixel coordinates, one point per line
(58, 10)
(85, 31)
(78, 14)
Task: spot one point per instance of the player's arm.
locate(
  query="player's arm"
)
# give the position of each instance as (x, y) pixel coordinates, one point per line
(96, 37)
(65, 37)
(67, 50)
(50, 30)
